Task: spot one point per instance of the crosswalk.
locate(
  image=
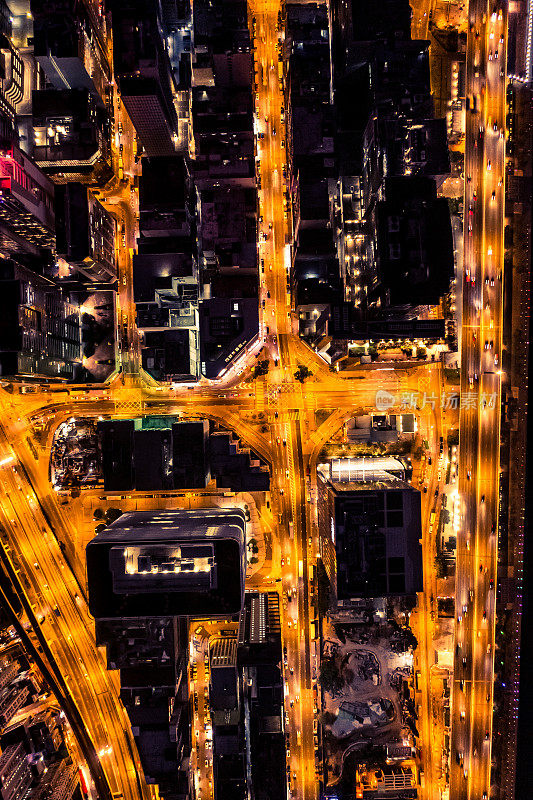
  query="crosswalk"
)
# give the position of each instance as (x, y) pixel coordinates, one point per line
(259, 396)
(129, 406)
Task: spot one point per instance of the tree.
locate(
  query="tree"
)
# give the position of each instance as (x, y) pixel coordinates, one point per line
(253, 560)
(440, 565)
(455, 204)
(330, 679)
(89, 350)
(349, 676)
(261, 368)
(339, 633)
(302, 373)
(324, 589)
(453, 437)
(98, 513)
(409, 638)
(112, 514)
(446, 606)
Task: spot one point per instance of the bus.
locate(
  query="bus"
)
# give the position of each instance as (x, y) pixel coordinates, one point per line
(83, 783)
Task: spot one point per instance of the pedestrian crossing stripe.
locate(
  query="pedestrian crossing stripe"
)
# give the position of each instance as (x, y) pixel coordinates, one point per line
(259, 397)
(132, 405)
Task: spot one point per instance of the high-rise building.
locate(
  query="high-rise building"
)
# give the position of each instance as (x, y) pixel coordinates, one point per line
(171, 562)
(70, 41)
(26, 194)
(152, 459)
(26, 207)
(60, 781)
(11, 699)
(38, 731)
(85, 235)
(8, 672)
(151, 654)
(259, 658)
(164, 272)
(395, 145)
(144, 72)
(246, 703)
(116, 438)
(154, 453)
(310, 132)
(227, 327)
(190, 454)
(229, 761)
(166, 227)
(17, 72)
(234, 467)
(72, 136)
(15, 773)
(370, 533)
(224, 168)
(39, 328)
(413, 260)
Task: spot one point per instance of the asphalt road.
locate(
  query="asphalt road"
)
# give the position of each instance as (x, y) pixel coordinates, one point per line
(481, 354)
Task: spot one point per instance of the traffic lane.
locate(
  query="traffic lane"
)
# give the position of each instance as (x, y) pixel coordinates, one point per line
(462, 697)
(482, 708)
(294, 635)
(78, 655)
(75, 650)
(305, 536)
(44, 609)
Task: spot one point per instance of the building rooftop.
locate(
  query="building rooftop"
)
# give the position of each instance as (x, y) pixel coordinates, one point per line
(171, 562)
(375, 528)
(223, 652)
(227, 326)
(356, 470)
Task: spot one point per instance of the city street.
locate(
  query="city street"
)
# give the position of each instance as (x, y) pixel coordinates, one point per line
(35, 524)
(481, 365)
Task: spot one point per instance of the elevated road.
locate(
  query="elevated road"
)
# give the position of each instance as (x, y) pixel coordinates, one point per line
(35, 523)
(481, 364)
